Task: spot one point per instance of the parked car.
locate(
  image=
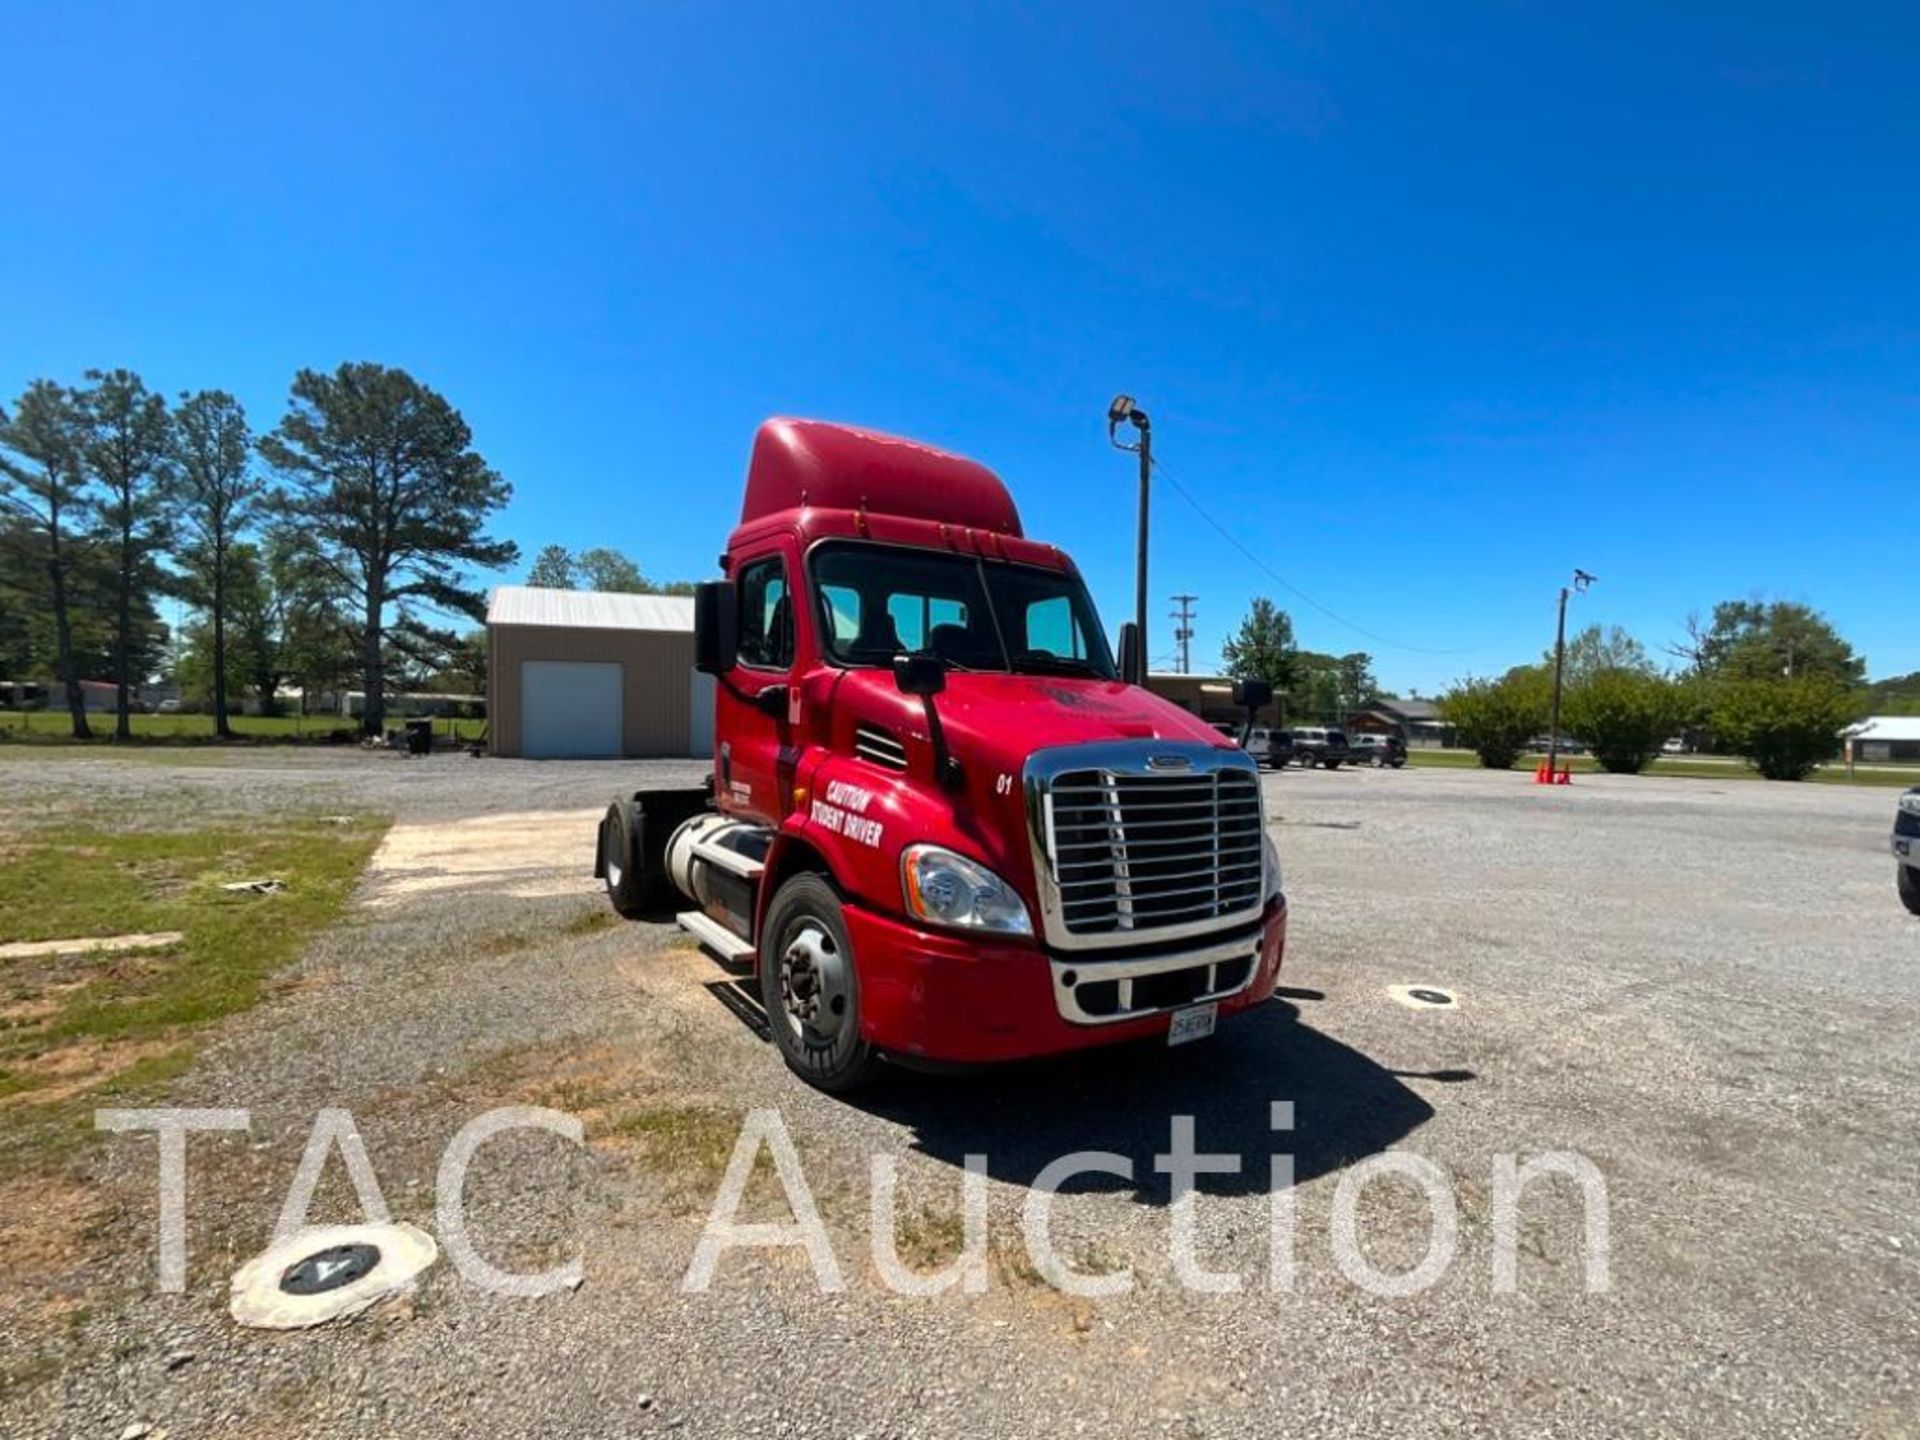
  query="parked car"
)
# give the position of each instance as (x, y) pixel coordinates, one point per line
(1378, 750)
(1269, 747)
(1906, 848)
(1320, 745)
(1568, 745)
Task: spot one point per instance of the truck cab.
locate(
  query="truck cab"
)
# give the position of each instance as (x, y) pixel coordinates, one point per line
(942, 827)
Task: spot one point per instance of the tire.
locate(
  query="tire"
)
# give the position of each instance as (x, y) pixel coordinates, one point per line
(1910, 888)
(630, 889)
(811, 987)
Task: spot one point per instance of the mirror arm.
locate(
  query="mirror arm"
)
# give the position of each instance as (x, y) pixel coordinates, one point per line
(946, 769)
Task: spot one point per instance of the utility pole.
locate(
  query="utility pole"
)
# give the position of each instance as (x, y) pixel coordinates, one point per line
(1581, 580)
(1183, 631)
(1123, 409)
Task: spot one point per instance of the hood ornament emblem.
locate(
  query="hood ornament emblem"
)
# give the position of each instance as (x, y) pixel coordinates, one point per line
(1169, 762)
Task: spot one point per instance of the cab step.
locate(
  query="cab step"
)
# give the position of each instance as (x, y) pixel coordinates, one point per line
(730, 860)
(715, 936)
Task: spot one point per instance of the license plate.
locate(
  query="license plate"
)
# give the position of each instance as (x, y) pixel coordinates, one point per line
(1193, 1023)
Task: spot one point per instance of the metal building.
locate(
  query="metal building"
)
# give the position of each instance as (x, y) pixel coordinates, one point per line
(579, 674)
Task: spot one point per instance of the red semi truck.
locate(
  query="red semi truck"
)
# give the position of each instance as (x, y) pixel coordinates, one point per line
(941, 827)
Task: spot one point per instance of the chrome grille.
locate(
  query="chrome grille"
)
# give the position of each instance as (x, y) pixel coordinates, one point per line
(877, 747)
(1131, 850)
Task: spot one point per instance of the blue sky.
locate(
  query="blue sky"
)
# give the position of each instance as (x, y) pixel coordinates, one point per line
(1430, 303)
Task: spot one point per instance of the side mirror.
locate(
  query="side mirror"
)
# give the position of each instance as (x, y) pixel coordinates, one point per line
(716, 627)
(1252, 694)
(923, 675)
(1133, 667)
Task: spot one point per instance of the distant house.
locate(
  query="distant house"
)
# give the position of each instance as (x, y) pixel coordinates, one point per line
(1885, 737)
(1417, 722)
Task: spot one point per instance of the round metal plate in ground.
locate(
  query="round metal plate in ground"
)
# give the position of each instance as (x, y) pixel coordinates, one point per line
(327, 1271)
(1424, 997)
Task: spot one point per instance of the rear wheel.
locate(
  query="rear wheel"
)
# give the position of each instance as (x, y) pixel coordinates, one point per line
(1910, 888)
(630, 889)
(810, 987)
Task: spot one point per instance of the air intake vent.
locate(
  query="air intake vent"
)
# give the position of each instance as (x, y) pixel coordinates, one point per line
(877, 747)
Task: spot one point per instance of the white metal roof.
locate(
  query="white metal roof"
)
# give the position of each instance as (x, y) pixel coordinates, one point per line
(588, 609)
(1886, 727)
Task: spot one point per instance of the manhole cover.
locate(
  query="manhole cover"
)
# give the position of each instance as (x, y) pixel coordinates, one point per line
(1424, 997)
(329, 1269)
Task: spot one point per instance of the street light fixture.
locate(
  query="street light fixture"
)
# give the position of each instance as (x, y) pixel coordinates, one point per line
(1124, 412)
(1581, 580)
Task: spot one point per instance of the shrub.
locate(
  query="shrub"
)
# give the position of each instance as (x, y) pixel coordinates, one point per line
(1496, 718)
(1623, 716)
(1783, 727)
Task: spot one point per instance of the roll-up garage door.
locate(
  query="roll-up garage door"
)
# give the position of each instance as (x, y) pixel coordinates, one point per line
(569, 709)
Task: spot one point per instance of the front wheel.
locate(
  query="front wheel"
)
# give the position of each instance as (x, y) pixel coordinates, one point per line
(810, 987)
(1910, 888)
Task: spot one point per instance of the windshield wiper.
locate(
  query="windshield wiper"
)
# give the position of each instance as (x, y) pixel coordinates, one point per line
(1044, 662)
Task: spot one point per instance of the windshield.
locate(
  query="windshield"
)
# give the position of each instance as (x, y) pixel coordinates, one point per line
(878, 601)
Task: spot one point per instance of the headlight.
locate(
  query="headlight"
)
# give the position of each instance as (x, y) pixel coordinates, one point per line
(949, 889)
(1270, 854)
(1910, 802)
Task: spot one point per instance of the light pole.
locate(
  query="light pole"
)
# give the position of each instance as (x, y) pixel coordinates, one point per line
(1581, 580)
(1123, 409)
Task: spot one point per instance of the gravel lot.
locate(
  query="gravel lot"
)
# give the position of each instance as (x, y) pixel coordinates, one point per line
(1707, 989)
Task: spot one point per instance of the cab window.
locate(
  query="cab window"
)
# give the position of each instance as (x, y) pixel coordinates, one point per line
(766, 615)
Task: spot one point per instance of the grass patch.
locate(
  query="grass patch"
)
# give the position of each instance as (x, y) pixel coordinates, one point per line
(692, 1142)
(54, 728)
(1684, 767)
(926, 1239)
(591, 922)
(76, 1028)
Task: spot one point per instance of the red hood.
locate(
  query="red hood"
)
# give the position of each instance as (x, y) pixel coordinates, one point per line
(993, 723)
(1001, 719)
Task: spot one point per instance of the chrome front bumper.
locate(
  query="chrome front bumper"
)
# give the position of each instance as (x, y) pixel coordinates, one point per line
(1092, 991)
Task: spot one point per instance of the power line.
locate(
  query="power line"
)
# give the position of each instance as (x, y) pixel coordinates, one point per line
(1183, 631)
(1287, 584)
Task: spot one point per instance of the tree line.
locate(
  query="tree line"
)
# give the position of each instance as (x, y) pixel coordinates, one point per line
(1318, 686)
(1773, 682)
(320, 550)
(596, 568)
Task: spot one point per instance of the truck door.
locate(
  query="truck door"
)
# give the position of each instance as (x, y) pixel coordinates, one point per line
(756, 747)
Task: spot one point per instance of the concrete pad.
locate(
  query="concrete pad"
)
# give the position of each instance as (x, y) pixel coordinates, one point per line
(90, 945)
(524, 854)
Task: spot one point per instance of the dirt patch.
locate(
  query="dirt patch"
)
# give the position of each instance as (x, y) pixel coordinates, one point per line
(60, 1074)
(45, 1222)
(524, 854)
